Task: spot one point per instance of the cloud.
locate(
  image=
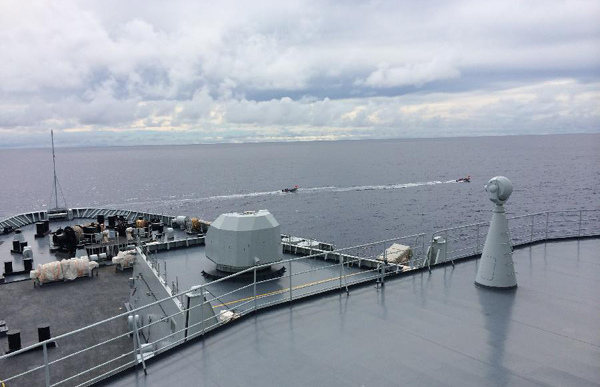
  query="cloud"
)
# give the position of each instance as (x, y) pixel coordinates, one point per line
(415, 74)
(294, 70)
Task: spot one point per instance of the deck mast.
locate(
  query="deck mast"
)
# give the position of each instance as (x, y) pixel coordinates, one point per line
(54, 163)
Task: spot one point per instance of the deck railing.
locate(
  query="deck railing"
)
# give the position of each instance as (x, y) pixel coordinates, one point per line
(24, 219)
(467, 241)
(321, 271)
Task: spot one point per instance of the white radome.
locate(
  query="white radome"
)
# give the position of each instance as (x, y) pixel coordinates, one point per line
(499, 189)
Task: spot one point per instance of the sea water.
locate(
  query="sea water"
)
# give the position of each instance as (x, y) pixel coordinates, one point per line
(351, 192)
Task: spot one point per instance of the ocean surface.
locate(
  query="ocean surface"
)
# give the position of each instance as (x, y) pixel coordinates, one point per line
(351, 192)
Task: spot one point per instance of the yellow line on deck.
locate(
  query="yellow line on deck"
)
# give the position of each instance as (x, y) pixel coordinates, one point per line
(284, 290)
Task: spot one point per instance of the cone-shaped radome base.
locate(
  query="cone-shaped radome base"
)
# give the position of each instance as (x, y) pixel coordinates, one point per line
(496, 267)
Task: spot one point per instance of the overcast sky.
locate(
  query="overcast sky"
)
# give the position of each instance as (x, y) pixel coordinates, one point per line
(156, 72)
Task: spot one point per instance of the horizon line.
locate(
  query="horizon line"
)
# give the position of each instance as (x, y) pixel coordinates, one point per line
(300, 140)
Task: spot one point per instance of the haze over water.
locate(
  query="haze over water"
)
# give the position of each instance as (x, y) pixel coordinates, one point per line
(350, 192)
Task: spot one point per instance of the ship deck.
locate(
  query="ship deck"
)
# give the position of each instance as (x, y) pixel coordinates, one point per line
(423, 329)
(66, 306)
(187, 264)
(41, 246)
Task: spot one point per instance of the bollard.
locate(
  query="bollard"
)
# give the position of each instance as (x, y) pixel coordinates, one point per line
(28, 264)
(19, 236)
(40, 229)
(44, 334)
(14, 340)
(8, 269)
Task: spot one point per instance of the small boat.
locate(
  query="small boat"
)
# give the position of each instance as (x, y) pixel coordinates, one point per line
(288, 190)
(464, 179)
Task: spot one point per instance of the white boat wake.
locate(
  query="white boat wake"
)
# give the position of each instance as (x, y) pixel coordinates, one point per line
(301, 191)
(310, 190)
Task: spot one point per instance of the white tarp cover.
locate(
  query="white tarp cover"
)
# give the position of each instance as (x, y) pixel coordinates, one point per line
(397, 253)
(227, 315)
(125, 258)
(67, 269)
(76, 267)
(47, 272)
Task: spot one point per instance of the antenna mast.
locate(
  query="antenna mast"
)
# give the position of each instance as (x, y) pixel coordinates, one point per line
(54, 163)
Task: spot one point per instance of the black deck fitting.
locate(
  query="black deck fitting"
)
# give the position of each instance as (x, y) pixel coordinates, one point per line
(27, 264)
(14, 340)
(44, 334)
(8, 268)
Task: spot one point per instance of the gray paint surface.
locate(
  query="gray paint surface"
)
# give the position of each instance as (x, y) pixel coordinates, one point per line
(185, 266)
(435, 329)
(66, 306)
(236, 240)
(148, 289)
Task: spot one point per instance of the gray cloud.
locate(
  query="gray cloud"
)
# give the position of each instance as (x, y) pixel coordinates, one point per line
(415, 74)
(113, 72)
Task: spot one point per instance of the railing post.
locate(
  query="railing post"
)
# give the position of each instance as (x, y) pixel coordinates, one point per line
(447, 246)
(547, 215)
(255, 307)
(46, 366)
(532, 220)
(290, 271)
(423, 252)
(201, 309)
(135, 343)
(382, 273)
(341, 268)
(139, 344)
(477, 245)
(579, 233)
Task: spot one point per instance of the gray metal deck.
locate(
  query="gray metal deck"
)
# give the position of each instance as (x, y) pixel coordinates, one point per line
(40, 246)
(186, 265)
(66, 306)
(424, 329)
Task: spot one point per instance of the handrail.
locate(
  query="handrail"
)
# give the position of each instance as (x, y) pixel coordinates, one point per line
(531, 232)
(79, 212)
(132, 311)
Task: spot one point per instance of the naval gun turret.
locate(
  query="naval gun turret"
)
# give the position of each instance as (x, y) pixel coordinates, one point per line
(238, 241)
(496, 267)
